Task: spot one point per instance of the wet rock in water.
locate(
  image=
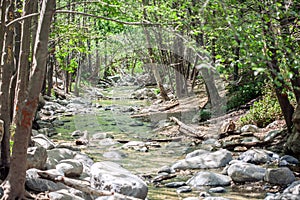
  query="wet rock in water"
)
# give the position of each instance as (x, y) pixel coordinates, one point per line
(162, 176)
(280, 176)
(111, 176)
(175, 184)
(184, 189)
(36, 157)
(58, 154)
(245, 172)
(211, 160)
(70, 167)
(217, 190)
(37, 184)
(290, 160)
(116, 155)
(258, 156)
(290, 193)
(249, 128)
(209, 179)
(43, 141)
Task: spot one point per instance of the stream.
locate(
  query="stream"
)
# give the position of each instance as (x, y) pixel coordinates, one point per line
(111, 120)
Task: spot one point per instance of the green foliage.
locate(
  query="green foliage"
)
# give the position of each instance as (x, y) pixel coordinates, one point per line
(245, 92)
(263, 111)
(156, 91)
(204, 115)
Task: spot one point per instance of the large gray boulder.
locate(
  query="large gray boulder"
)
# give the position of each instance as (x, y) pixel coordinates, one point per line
(280, 176)
(64, 194)
(204, 160)
(209, 179)
(56, 155)
(70, 167)
(36, 157)
(44, 141)
(292, 192)
(111, 176)
(258, 156)
(245, 172)
(37, 184)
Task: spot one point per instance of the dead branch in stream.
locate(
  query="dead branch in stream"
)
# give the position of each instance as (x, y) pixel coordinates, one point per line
(83, 186)
(187, 130)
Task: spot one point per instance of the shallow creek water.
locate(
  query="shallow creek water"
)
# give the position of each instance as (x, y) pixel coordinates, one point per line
(113, 119)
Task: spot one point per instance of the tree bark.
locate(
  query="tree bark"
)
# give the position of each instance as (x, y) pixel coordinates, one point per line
(5, 95)
(14, 185)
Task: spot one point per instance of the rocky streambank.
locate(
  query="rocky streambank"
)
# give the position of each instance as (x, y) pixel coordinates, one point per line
(203, 169)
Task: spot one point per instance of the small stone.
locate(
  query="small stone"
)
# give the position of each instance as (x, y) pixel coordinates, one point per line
(217, 190)
(184, 189)
(249, 128)
(175, 184)
(165, 169)
(240, 149)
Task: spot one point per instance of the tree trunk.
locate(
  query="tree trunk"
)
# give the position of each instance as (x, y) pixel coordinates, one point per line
(23, 66)
(14, 185)
(50, 74)
(5, 98)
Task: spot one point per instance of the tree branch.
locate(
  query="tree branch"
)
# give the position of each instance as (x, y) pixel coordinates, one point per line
(84, 2)
(108, 19)
(21, 18)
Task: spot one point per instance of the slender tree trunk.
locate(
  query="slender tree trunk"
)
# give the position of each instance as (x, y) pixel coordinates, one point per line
(50, 68)
(14, 185)
(5, 95)
(23, 67)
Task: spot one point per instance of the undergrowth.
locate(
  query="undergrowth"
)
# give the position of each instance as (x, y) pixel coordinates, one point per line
(264, 111)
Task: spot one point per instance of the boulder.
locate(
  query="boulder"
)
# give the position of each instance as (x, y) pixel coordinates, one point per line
(70, 167)
(116, 155)
(258, 156)
(291, 192)
(217, 190)
(64, 194)
(111, 176)
(203, 161)
(280, 176)
(246, 172)
(36, 157)
(43, 141)
(197, 153)
(249, 128)
(290, 160)
(56, 155)
(209, 179)
(37, 184)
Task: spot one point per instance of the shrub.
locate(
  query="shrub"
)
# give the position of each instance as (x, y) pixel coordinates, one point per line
(263, 111)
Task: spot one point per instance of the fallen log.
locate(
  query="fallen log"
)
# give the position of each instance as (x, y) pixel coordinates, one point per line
(169, 107)
(83, 186)
(187, 130)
